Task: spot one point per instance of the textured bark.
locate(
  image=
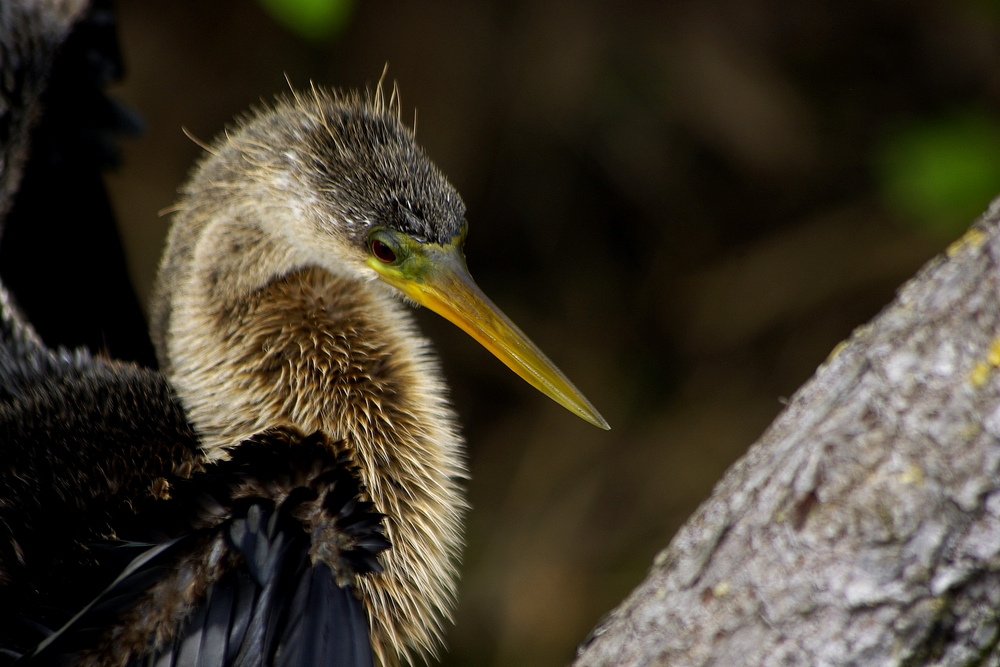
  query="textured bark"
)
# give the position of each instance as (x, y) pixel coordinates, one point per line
(863, 528)
(31, 32)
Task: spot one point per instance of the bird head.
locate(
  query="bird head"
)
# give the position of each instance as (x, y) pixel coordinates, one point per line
(361, 198)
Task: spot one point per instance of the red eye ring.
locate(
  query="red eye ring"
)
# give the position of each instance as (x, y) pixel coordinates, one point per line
(383, 252)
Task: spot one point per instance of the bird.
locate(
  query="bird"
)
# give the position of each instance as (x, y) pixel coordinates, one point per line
(288, 488)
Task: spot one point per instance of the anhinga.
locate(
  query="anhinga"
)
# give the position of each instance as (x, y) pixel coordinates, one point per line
(314, 503)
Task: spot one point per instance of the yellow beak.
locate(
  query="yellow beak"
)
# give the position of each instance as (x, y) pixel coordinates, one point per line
(446, 287)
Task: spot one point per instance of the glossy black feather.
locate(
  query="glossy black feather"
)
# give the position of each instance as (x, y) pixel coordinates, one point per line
(245, 593)
(218, 627)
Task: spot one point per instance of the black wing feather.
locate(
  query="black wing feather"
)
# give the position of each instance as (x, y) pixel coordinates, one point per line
(326, 624)
(218, 626)
(85, 629)
(165, 659)
(189, 642)
(245, 589)
(298, 615)
(268, 604)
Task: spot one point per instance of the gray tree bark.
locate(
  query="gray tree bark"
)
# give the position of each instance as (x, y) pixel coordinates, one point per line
(863, 528)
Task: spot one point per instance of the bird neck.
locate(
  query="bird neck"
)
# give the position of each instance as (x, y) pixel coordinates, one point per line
(254, 336)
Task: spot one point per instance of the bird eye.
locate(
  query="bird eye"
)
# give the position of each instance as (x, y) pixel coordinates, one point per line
(383, 252)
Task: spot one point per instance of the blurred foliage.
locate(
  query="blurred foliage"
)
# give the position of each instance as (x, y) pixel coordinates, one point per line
(990, 7)
(316, 20)
(942, 173)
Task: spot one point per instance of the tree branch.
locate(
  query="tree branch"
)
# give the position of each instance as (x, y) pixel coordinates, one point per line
(863, 528)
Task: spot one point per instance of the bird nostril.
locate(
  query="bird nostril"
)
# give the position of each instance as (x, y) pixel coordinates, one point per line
(383, 252)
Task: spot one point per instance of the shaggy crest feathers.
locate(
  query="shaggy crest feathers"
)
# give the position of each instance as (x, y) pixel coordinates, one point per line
(266, 314)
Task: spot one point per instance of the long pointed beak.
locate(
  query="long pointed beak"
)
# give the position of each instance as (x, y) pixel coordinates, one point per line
(448, 289)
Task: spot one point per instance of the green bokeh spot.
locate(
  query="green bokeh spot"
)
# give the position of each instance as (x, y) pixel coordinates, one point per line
(941, 174)
(316, 20)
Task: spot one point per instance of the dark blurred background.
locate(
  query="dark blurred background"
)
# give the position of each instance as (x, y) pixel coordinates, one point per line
(686, 204)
